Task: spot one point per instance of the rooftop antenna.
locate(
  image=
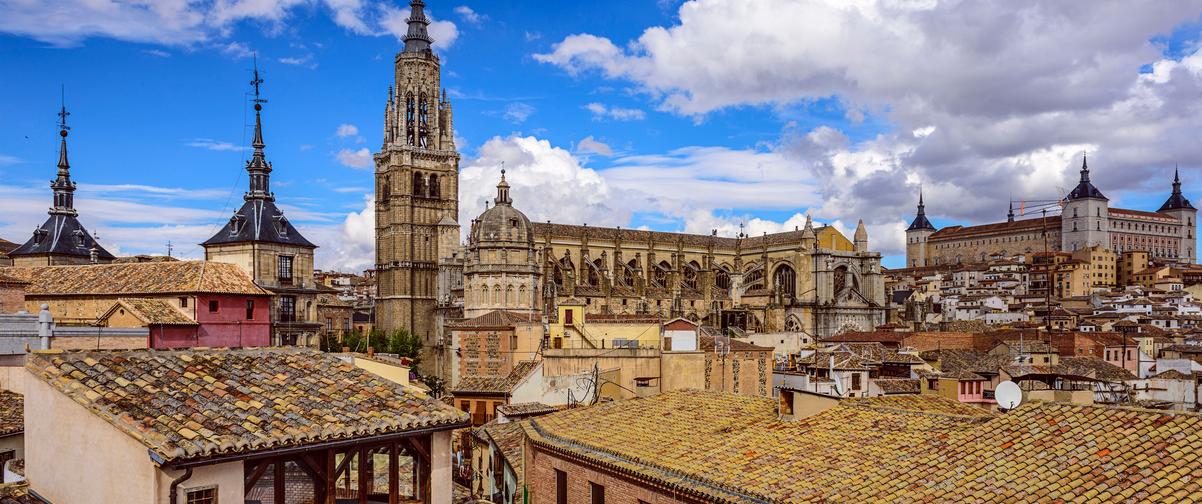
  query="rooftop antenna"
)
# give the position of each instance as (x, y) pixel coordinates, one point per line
(169, 248)
(1008, 395)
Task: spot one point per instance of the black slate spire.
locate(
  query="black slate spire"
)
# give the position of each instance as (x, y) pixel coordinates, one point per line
(1176, 201)
(920, 220)
(63, 187)
(1085, 188)
(1010, 215)
(258, 168)
(417, 39)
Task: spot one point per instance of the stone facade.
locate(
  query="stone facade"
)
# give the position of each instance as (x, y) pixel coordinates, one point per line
(1086, 220)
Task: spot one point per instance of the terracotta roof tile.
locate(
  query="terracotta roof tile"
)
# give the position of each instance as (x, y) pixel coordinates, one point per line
(494, 384)
(154, 312)
(509, 438)
(12, 413)
(133, 279)
(198, 403)
(525, 409)
(496, 318)
(17, 493)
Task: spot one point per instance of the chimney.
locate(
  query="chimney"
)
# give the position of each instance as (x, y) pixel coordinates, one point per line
(94, 254)
(45, 323)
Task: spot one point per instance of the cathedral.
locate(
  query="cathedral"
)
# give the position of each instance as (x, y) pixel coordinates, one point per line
(812, 280)
(1086, 220)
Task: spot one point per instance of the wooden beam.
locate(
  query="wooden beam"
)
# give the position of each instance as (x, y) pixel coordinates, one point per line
(331, 482)
(314, 465)
(394, 477)
(255, 472)
(416, 444)
(363, 475)
(279, 481)
(346, 461)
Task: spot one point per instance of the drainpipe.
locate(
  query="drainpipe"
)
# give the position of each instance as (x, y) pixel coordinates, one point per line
(173, 494)
(45, 322)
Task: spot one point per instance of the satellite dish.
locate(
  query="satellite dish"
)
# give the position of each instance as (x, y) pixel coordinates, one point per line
(1008, 395)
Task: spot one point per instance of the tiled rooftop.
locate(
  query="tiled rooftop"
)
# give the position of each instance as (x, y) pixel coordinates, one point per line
(525, 409)
(155, 311)
(136, 279)
(724, 448)
(198, 403)
(509, 438)
(496, 318)
(12, 413)
(494, 384)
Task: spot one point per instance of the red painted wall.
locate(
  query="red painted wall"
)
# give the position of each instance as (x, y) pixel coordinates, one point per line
(226, 327)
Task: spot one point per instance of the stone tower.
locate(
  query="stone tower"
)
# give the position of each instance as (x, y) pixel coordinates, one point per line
(417, 192)
(1179, 207)
(916, 237)
(1085, 220)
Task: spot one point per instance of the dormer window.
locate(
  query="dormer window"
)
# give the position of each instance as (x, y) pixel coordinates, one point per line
(281, 225)
(78, 234)
(236, 224)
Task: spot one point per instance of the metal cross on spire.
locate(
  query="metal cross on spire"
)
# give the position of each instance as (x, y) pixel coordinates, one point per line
(257, 81)
(62, 114)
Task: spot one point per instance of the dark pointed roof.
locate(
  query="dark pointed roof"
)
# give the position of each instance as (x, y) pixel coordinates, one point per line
(1085, 188)
(417, 39)
(259, 219)
(62, 234)
(920, 220)
(1176, 201)
(1010, 214)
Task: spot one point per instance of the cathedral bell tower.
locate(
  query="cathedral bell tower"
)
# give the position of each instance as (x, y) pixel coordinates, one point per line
(417, 191)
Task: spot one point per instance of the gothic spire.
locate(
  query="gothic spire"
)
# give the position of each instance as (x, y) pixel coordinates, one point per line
(258, 167)
(64, 188)
(1176, 201)
(920, 220)
(1085, 188)
(417, 39)
(1010, 215)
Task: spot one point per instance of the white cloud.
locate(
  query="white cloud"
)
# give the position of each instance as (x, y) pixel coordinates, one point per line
(350, 246)
(518, 112)
(468, 15)
(347, 130)
(982, 102)
(9, 160)
(601, 111)
(236, 50)
(532, 36)
(157, 52)
(214, 145)
(360, 159)
(192, 22)
(591, 145)
(305, 61)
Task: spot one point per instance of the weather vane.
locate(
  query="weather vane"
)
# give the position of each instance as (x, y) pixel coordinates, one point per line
(257, 81)
(62, 115)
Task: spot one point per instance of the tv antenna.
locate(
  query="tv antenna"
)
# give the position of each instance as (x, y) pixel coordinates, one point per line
(169, 248)
(1008, 395)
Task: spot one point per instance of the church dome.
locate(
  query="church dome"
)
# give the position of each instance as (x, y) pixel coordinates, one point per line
(502, 223)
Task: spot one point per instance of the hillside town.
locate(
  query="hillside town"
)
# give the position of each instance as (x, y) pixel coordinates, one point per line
(1052, 357)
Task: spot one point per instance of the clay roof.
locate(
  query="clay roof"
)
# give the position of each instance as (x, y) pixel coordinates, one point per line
(494, 384)
(152, 312)
(525, 409)
(8, 280)
(17, 493)
(1092, 367)
(509, 438)
(725, 448)
(193, 404)
(894, 337)
(496, 318)
(1173, 374)
(736, 345)
(1025, 225)
(12, 413)
(897, 385)
(1140, 213)
(183, 277)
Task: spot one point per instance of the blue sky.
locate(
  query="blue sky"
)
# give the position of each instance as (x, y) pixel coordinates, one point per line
(669, 115)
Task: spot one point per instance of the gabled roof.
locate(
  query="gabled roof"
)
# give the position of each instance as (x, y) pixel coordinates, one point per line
(193, 404)
(525, 409)
(495, 384)
(495, 319)
(136, 279)
(151, 312)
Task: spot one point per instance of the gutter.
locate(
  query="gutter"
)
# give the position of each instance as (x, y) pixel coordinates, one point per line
(173, 494)
(217, 459)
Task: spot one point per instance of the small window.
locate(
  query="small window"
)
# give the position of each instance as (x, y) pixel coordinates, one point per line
(285, 268)
(596, 493)
(250, 309)
(183, 302)
(202, 496)
(212, 306)
(561, 487)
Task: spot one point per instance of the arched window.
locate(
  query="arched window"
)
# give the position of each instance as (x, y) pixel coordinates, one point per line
(419, 185)
(423, 116)
(662, 270)
(385, 189)
(434, 189)
(496, 295)
(410, 119)
(509, 301)
(722, 278)
(785, 280)
(521, 296)
(690, 274)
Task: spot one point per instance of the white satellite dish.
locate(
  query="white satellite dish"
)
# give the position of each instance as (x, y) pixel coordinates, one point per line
(1008, 395)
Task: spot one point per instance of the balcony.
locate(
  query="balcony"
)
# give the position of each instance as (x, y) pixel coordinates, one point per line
(279, 316)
